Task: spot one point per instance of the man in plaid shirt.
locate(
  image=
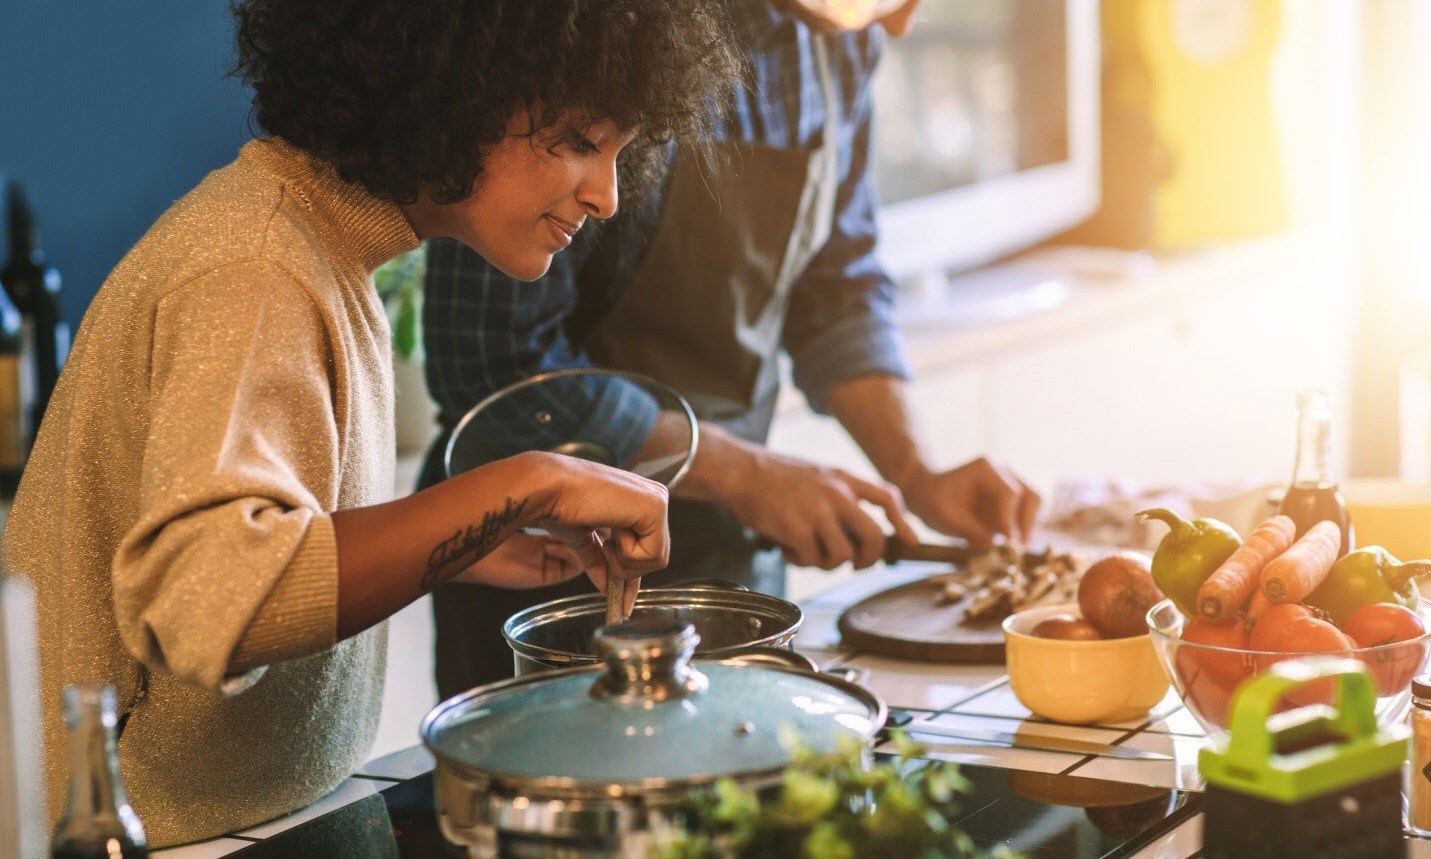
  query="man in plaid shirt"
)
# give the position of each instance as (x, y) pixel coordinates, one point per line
(731, 263)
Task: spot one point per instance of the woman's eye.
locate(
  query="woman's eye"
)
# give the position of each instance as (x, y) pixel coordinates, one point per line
(581, 146)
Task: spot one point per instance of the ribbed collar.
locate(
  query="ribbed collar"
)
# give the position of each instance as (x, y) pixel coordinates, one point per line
(368, 228)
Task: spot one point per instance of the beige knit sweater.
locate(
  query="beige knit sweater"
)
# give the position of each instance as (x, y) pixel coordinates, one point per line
(230, 387)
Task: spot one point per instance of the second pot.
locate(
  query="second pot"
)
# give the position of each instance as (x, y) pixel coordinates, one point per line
(559, 633)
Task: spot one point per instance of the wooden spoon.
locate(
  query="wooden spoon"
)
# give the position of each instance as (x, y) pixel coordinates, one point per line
(616, 587)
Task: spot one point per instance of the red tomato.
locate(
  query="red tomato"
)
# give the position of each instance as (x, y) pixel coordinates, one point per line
(1385, 623)
(1293, 629)
(1274, 621)
(1206, 677)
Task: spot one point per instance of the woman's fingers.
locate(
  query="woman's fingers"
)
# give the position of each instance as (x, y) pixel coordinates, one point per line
(633, 508)
(642, 554)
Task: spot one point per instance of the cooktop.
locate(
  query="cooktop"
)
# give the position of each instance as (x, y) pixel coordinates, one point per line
(1035, 814)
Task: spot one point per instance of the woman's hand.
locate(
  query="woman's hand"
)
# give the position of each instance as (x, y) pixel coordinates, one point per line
(390, 554)
(524, 561)
(976, 501)
(592, 504)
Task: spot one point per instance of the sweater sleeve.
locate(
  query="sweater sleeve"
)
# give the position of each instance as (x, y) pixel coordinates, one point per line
(232, 564)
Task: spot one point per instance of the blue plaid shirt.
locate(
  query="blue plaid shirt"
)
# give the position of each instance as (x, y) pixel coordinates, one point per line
(483, 329)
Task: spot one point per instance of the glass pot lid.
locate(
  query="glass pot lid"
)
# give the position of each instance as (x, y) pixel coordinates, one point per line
(649, 717)
(613, 417)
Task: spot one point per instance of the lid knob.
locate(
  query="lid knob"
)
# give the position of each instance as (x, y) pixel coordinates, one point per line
(648, 658)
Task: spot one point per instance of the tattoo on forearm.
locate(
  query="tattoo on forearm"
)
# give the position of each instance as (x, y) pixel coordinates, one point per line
(470, 544)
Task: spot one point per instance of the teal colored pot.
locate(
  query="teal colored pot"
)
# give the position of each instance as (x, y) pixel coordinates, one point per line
(593, 760)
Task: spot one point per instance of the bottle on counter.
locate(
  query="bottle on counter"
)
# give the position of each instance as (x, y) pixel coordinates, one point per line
(17, 394)
(1418, 785)
(34, 287)
(97, 822)
(1314, 494)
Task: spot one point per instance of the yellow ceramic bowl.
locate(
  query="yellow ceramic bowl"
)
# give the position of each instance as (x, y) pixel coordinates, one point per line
(1392, 514)
(1080, 681)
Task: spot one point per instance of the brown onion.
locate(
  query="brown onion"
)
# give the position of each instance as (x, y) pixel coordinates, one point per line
(1116, 593)
(1066, 627)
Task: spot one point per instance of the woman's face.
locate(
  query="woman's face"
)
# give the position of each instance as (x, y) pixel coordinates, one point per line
(534, 193)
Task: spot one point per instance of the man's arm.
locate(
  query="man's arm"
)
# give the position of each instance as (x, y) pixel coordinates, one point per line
(849, 359)
(977, 500)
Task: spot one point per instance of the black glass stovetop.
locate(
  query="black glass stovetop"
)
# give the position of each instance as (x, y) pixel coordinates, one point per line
(1041, 816)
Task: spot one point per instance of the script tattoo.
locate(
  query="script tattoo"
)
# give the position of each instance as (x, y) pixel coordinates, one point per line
(468, 545)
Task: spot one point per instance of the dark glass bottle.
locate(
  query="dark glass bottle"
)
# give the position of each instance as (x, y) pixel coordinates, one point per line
(97, 822)
(17, 395)
(1314, 494)
(34, 287)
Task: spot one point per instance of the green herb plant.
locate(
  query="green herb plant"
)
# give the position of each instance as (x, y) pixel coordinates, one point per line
(399, 284)
(830, 806)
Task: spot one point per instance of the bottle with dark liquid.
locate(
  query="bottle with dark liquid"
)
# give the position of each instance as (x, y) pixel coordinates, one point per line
(1314, 494)
(17, 395)
(97, 822)
(34, 288)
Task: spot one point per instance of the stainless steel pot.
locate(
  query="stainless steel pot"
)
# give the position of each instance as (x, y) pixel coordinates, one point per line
(592, 761)
(558, 634)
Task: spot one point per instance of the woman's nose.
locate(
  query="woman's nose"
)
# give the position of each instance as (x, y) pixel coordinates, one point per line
(597, 193)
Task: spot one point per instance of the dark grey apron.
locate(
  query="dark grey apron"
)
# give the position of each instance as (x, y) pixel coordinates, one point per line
(705, 310)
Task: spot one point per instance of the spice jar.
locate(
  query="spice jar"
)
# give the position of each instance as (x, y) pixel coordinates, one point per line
(1418, 791)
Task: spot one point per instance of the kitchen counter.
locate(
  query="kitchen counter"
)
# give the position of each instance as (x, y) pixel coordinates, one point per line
(972, 696)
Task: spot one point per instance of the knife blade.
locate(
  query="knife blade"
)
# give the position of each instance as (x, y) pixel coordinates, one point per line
(1041, 742)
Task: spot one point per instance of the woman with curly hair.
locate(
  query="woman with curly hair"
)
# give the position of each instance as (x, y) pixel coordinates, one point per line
(206, 513)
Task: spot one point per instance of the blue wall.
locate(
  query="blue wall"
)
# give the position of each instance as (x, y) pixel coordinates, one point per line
(108, 113)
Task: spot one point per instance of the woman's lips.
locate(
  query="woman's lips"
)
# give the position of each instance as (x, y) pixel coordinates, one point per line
(561, 230)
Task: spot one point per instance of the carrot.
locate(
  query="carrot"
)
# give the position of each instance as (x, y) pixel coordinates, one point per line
(1255, 607)
(1231, 584)
(1296, 572)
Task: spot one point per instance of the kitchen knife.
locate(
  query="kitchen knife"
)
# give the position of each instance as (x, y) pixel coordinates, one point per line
(896, 550)
(1041, 742)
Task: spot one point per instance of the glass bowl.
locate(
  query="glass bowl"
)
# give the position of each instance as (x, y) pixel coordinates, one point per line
(1206, 676)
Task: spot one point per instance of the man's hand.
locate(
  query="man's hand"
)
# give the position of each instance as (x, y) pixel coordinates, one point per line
(814, 512)
(976, 501)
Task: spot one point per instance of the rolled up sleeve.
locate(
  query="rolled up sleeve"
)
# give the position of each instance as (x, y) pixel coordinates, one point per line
(232, 564)
(841, 322)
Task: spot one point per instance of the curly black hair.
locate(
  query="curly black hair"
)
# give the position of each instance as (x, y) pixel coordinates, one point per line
(401, 95)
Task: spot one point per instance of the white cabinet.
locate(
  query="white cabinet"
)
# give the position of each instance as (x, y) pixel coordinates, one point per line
(1190, 376)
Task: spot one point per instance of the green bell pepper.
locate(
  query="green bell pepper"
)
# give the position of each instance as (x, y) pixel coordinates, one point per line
(1188, 554)
(1368, 575)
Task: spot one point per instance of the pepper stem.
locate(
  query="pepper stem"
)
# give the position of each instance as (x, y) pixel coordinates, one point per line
(1178, 525)
(1400, 574)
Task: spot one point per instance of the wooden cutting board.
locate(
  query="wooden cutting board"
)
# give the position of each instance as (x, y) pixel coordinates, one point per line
(909, 622)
